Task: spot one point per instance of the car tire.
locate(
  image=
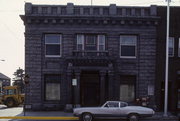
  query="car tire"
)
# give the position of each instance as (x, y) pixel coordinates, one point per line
(86, 117)
(10, 102)
(133, 117)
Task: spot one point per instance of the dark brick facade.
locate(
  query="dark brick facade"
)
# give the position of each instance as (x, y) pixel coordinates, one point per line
(174, 66)
(70, 20)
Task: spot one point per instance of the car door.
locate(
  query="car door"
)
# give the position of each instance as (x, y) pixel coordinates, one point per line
(111, 109)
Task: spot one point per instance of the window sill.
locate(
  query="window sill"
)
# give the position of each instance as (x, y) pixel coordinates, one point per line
(128, 57)
(52, 56)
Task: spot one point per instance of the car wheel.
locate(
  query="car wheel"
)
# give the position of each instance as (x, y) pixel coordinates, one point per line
(133, 117)
(87, 117)
(10, 102)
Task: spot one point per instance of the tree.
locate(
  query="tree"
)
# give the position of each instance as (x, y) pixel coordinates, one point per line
(18, 80)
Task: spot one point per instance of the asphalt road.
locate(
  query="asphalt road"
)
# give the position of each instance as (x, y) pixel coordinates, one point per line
(18, 111)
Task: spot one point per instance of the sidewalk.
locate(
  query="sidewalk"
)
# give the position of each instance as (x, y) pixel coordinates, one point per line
(18, 112)
(47, 113)
(157, 117)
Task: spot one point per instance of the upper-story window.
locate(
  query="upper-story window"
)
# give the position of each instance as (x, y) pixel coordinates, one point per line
(171, 46)
(128, 45)
(179, 48)
(91, 42)
(53, 45)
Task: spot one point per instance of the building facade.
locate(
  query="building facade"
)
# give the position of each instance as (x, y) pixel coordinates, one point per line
(85, 55)
(4, 81)
(174, 59)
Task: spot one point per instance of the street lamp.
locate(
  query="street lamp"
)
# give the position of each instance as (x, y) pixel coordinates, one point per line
(167, 61)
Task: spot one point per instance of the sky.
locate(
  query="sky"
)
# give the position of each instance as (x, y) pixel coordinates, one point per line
(12, 28)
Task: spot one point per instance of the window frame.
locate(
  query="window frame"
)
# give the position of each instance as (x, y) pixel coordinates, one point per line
(135, 56)
(52, 82)
(60, 44)
(83, 39)
(173, 40)
(97, 42)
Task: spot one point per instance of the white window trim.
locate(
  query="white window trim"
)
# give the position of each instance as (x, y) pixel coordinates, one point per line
(82, 41)
(98, 43)
(128, 57)
(54, 56)
(173, 47)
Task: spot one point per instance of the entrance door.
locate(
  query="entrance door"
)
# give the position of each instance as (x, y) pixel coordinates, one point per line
(90, 88)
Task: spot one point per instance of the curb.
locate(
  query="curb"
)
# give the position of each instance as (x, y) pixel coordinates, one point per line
(39, 118)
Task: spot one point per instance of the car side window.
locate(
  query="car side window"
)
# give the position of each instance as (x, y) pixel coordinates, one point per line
(123, 104)
(113, 104)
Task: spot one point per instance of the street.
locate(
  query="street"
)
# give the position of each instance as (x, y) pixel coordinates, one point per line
(18, 112)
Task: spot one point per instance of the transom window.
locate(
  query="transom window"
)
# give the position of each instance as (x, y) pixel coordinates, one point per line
(91, 42)
(171, 46)
(128, 45)
(53, 45)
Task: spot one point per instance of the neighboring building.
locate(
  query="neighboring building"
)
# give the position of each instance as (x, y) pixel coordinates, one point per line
(174, 59)
(85, 55)
(4, 81)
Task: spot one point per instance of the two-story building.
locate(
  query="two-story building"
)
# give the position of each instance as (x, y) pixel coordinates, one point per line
(85, 55)
(174, 58)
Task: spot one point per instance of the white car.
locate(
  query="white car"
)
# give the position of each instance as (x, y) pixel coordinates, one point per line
(113, 109)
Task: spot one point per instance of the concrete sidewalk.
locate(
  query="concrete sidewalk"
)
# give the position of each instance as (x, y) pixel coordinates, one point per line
(157, 117)
(47, 113)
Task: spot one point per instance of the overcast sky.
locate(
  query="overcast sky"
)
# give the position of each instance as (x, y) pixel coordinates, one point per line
(12, 28)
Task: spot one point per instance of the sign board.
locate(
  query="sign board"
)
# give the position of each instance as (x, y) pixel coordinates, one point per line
(150, 90)
(74, 82)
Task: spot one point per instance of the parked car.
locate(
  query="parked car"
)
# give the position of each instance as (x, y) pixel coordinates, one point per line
(111, 109)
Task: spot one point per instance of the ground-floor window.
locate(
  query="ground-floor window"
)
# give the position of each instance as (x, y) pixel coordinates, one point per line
(127, 88)
(127, 92)
(52, 87)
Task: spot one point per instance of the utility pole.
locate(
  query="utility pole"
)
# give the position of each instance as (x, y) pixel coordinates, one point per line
(167, 61)
(91, 2)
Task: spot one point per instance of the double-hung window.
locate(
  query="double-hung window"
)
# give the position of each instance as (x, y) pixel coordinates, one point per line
(128, 45)
(91, 42)
(171, 46)
(80, 42)
(53, 45)
(101, 42)
(52, 87)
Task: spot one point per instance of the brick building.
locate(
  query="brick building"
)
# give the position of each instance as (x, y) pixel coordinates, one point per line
(85, 55)
(174, 59)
